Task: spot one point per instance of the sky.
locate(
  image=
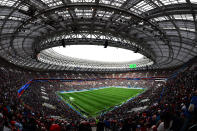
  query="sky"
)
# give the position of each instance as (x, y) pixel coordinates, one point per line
(98, 53)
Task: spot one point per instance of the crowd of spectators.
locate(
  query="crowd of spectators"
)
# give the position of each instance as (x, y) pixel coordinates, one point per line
(170, 106)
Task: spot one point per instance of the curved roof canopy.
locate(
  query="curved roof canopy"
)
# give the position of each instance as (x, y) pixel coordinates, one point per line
(93, 57)
(164, 31)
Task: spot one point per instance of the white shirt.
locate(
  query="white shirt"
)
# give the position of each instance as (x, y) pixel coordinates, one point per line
(161, 127)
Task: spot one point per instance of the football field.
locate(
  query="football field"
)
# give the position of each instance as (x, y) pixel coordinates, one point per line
(94, 102)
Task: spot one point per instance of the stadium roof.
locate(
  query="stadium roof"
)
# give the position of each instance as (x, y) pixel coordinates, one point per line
(164, 31)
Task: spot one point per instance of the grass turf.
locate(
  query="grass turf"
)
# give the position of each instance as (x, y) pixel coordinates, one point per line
(92, 103)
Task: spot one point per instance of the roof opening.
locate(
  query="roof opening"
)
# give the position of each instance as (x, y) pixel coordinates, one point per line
(98, 53)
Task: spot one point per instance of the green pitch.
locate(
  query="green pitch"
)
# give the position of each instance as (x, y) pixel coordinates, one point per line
(93, 103)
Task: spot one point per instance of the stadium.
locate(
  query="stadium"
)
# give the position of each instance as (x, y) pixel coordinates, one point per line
(98, 65)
